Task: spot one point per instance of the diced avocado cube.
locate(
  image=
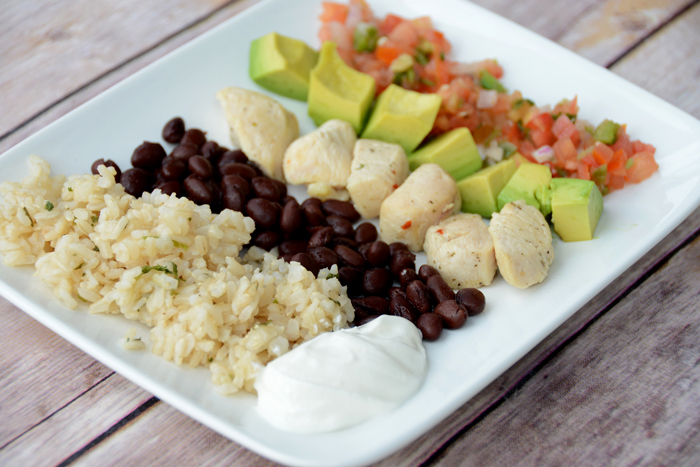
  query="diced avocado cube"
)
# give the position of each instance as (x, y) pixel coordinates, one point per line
(524, 184)
(454, 151)
(488, 81)
(282, 65)
(544, 196)
(576, 208)
(520, 159)
(338, 91)
(606, 132)
(480, 190)
(402, 117)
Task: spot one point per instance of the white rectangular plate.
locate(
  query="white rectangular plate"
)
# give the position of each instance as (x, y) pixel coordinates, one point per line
(462, 362)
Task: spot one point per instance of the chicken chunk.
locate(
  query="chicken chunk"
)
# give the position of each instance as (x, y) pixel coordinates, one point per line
(523, 244)
(428, 196)
(378, 168)
(461, 249)
(324, 155)
(260, 126)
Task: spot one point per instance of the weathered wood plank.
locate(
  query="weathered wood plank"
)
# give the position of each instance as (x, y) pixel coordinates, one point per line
(675, 54)
(624, 393)
(49, 113)
(50, 49)
(68, 430)
(39, 373)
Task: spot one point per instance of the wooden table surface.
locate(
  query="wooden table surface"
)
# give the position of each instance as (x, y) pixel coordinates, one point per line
(619, 383)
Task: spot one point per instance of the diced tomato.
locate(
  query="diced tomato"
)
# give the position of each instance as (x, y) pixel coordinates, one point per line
(602, 153)
(564, 150)
(616, 182)
(564, 128)
(638, 146)
(541, 130)
(387, 53)
(616, 166)
(389, 23)
(642, 166)
(334, 12)
(567, 107)
(584, 171)
(623, 141)
(526, 148)
(405, 36)
(437, 39)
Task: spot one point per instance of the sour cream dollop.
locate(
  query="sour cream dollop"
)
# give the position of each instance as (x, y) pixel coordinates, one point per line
(342, 378)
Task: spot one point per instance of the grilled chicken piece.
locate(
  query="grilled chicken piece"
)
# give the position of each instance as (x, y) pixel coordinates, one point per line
(461, 249)
(378, 169)
(324, 155)
(428, 196)
(523, 244)
(260, 126)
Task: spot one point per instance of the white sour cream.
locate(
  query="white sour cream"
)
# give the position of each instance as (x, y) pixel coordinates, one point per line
(342, 378)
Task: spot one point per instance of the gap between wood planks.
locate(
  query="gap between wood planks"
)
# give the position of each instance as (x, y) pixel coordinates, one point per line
(76, 91)
(653, 32)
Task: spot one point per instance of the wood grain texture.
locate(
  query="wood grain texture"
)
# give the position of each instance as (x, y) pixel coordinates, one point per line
(50, 49)
(624, 393)
(73, 427)
(191, 442)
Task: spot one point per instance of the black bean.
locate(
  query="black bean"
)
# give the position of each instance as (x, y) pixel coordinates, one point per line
(234, 168)
(258, 170)
(235, 155)
(211, 151)
(148, 156)
(239, 182)
(265, 213)
(430, 325)
(426, 271)
(321, 237)
(184, 151)
(365, 233)
(287, 258)
(308, 262)
(376, 281)
(171, 187)
(394, 291)
(396, 246)
(198, 191)
(288, 199)
(400, 306)
(312, 200)
(173, 169)
(267, 240)
(351, 277)
(417, 293)
(174, 130)
(374, 305)
(343, 241)
(471, 299)
(200, 167)
(334, 207)
(366, 319)
(349, 257)
(452, 313)
(135, 181)
(233, 199)
(439, 290)
(281, 187)
(402, 259)
(291, 217)
(341, 226)
(325, 257)
(107, 163)
(377, 253)
(406, 276)
(264, 187)
(194, 136)
(293, 247)
(313, 214)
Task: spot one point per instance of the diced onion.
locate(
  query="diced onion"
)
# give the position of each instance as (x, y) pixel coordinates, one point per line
(494, 153)
(487, 99)
(543, 154)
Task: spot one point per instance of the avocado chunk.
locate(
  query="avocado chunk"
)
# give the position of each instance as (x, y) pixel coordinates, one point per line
(282, 65)
(480, 190)
(338, 91)
(454, 151)
(402, 117)
(576, 208)
(606, 132)
(524, 184)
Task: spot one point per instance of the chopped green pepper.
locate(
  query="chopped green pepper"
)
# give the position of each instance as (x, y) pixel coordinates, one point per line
(488, 81)
(365, 37)
(606, 132)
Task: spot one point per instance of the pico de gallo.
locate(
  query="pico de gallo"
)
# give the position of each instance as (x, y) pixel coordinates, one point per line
(414, 55)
